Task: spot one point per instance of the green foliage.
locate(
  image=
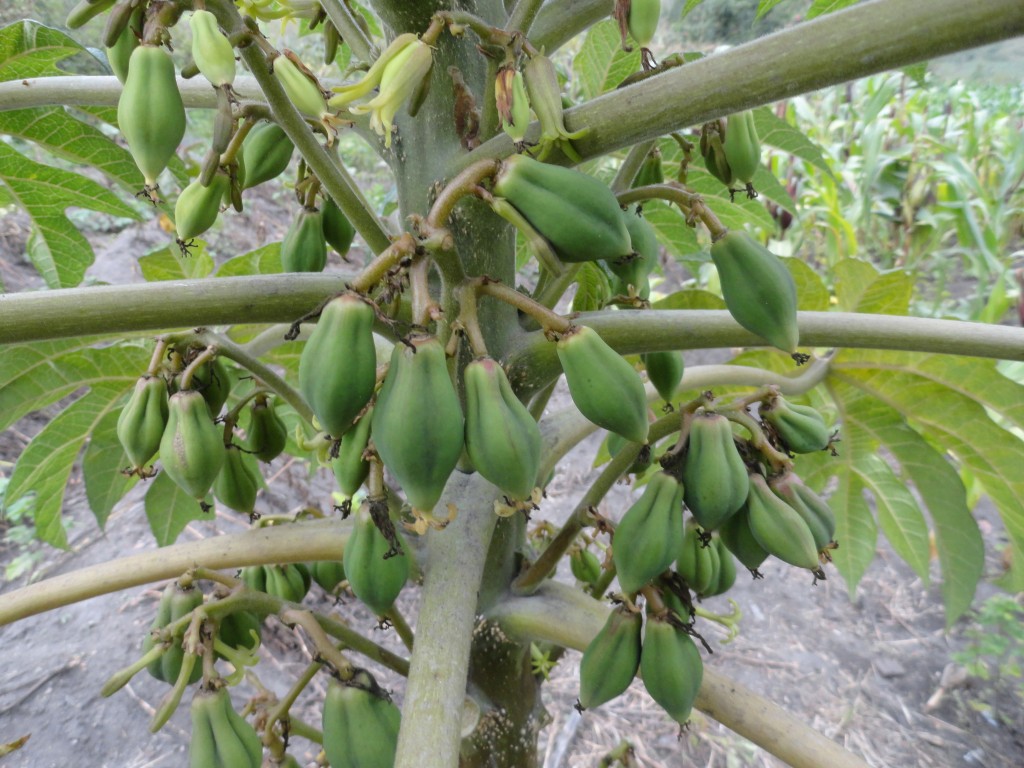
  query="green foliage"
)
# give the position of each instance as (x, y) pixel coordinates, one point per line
(995, 653)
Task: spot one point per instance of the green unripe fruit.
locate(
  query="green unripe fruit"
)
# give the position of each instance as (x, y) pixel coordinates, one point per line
(304, 248)
(338, 365)
(779, 528)
(140, 427)
(267, 435)
(575, 212)
(672, 668)
(213, 382)
(120, 53)
(665, 370)
(350, 468)
(328, 573)
(221, 738)
(605, 388)
(85, 11)
(650, 171)
(150, 112)
(714, 474)
(418, 428)
(240, 629)
(758, 289)
(742, 146)
(502, 438)
(211, 50)
(338, 230)
(238, 482)
(375, 571)
(634, 269)
(647, 539)
(301, 91)
(697, 563)
(737, 537)
(513, 103)
(288, 582)
(175, 603)
(266, 152)
(814, 510)
(642, 20)
(197, 207)
(585, 566)
(192, 446)
(712, 149)
(612, 658)
(800, 427)
(726, 568)
(617, 442)
(360, 724)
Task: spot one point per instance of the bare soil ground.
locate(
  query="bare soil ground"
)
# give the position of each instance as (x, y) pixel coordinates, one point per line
(862, 670)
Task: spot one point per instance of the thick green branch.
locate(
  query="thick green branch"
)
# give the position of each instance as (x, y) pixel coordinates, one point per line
(859, 41)
(560, 614)
(301, 542)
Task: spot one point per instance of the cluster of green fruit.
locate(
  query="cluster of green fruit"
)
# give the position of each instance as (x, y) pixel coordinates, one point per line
(181, 429)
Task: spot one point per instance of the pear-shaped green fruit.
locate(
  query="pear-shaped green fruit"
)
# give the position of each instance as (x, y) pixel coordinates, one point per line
(779, 528)
(375, 571)
(800, 427)
(605, 388)
(665, 370)
(502, 438)
(360, 724)
(742, 146)
(338, 365)
(647, 539)
(304, 248)
(611, 659)
(266, 152)
(140, 427)
(350, 468)
(418, 428)
(267, 434)
(737, 537)
(175, 603)
(238, 482)
(671, 667)
(192, 446)
(815, 511)
(714, 474)
(338, 230)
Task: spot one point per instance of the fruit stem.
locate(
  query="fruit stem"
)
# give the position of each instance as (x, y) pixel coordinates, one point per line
(401, 626)
(348, 28)
(464, 184)
(402, 248)
(280, 710)
(538, 244)
(470, 319)
(325, 649)
(631, 165)
(522, 16)
(691, 204)
(158, 356)
(205, 356)
(776, 458)
(549, 321)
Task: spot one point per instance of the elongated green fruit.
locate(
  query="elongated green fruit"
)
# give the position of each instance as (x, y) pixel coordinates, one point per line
(350, 468)
(671, 667)
(175, 603)
(202, 749)
(742, 147)
(696, 563)
(240, 629)
(665, 370)
(266, 152)
(86, 10)
(328, 573)
(267, 435)
(575, 212)
(585, 566)
(197, 207)
(779, 528)
(418, 428)
(712, 136)
(140, 427)
(513, 103)
(287, 581)
(304, 248)
(360, 724)
(238, 482)
(237, 743)
(647, 539)
(605, 388)
(800, 427)
(150, 112)
(213, 381)
(726, 568)
(737, 537)
(810, 506)
(375, 571)
(338, 230)
(120, 53)
(211, 49)
(612, 658)
(643, 20)
(714, 474)
(192, 447)
(338, 365)
(758, 289)
(651, 171)
(502, 438)
(634, 269)
(545, 93)
(303, 92)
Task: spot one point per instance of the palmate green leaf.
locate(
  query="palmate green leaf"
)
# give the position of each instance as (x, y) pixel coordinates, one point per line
(29, 49)
(764, 6)
(673, 232)
(104, 458)
(592, 288)
(169, 263)
(812, 295)
(690, 5)
(601, 63)
(265, 260)
(821, 7)
(776, 132)
(690, 299)
(169, 509)
(105, 376)
(58, 250)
